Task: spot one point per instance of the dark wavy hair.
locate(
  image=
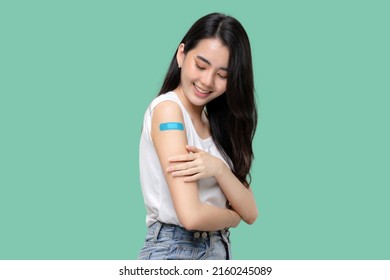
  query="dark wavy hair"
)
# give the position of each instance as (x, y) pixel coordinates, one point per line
(233, 115)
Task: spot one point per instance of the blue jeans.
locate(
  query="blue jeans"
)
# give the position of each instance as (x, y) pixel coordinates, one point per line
(171, 242)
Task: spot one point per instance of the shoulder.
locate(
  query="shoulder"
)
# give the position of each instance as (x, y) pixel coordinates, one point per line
(167, 107)
(169, 96)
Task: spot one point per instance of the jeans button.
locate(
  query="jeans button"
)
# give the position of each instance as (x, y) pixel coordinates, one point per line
(196, 234)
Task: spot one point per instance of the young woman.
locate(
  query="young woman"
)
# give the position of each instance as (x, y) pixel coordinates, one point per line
(196, 145)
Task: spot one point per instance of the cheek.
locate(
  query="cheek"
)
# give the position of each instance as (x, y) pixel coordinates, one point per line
(221, 86)
(189, 73)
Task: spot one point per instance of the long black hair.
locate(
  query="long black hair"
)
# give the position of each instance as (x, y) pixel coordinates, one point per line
(232, 115)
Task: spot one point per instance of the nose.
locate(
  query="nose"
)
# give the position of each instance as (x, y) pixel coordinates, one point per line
(207, 79)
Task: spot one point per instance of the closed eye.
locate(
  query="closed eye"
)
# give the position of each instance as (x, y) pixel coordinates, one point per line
(199, 67)
(222, 76)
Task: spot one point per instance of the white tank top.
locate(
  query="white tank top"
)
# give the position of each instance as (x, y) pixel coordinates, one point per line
(157, 198)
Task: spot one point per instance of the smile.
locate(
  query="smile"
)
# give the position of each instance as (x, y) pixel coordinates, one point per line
(202, 90)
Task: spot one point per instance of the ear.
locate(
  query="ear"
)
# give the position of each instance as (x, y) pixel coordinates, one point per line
(180, 55)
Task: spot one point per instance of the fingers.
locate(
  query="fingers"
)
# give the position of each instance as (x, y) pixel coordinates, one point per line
(190, 174)
(185, 173)
(191, 167)
(179, 167)
(192, 178)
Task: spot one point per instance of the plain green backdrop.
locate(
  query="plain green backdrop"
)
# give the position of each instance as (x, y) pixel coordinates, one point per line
(77, 76)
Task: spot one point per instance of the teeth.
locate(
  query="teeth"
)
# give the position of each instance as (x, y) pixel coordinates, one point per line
(201, 90)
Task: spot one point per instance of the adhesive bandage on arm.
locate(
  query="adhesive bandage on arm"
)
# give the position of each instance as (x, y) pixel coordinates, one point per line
(171, 126)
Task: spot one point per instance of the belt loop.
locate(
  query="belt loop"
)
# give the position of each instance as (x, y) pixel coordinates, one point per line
(157, 231)
(212, 240)
(225, 238)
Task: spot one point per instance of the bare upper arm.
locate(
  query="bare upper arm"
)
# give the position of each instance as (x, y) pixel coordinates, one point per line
(170, 143)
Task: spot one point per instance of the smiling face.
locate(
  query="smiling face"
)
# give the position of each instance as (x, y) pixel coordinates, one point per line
(204, 72)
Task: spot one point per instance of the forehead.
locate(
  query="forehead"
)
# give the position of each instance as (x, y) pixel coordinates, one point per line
(213, 50)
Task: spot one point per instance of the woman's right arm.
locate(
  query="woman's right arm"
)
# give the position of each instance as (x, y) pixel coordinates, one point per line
(192, 214)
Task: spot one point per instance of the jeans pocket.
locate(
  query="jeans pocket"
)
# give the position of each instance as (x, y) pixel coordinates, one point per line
(154, 251)
(188, 251)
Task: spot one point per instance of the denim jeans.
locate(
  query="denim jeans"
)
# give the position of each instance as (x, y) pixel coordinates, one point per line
(171, 242)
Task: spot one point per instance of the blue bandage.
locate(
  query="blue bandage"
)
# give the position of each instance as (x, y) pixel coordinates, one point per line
(171, 126)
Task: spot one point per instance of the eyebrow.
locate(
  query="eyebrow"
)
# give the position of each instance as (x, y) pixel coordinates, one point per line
(209, 63)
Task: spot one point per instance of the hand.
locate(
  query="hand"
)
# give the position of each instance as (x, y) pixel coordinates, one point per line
(196, 165)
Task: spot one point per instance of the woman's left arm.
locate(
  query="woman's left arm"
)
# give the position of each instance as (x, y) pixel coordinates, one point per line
(200, 164)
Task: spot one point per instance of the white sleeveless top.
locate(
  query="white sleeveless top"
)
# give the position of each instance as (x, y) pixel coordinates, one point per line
(158, 201)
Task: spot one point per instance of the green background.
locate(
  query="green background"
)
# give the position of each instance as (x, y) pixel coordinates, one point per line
(77, 76)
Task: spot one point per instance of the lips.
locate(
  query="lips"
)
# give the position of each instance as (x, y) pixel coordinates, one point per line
(202, 91)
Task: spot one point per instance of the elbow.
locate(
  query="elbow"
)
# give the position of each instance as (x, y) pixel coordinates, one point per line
(190, 225)
(250, 219)
(189, 221)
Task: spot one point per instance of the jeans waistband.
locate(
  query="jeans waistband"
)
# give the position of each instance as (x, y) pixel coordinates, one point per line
(177, 232)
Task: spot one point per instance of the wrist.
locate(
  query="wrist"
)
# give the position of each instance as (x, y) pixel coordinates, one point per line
(221, 170)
